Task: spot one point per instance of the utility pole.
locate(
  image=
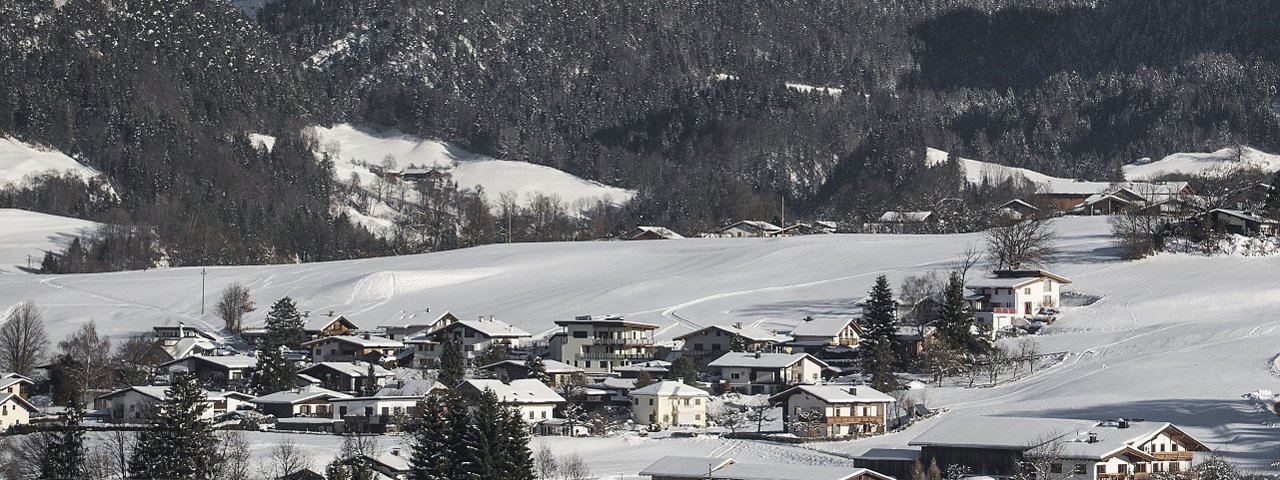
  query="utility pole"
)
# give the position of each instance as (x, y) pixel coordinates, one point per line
(203, 273)
(784, 211)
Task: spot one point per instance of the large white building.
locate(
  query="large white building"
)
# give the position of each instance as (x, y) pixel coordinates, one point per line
(758, 372)
(599, 345)
(475, 337)
(1011, 297)
(834, 410)
(535, 400)
(14, 410)
(670, 403)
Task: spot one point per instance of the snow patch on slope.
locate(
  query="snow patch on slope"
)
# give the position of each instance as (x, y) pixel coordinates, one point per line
(977, 172)
(19, 160)
(29, 233)
(1202, 163)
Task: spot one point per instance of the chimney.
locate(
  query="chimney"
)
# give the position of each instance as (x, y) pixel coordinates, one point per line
(180, 326)
(1093, 437)
(395, 451)
(481, 319)
(757, 354)
(737, 325)
(853, 391)
(1122, 423)
(365, 335)
(493, 318)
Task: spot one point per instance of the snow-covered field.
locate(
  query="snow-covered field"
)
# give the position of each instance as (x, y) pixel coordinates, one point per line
(24, 234)
(19, 160)
(1201, 163)
(1177, 337)
(354, 147)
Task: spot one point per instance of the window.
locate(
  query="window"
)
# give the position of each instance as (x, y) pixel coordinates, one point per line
(697, 401)
(1102, 468)
(734, 376)
(544, 415)
(1055, 468)
(469, 348)
(1140, 468)
(697, 416)
(580, 334)
(472, 333)
(635, 401)
(1027, 290)
(650, 402)
(715, 347)
(588, 364)
(1078, 470)
(342, 411)
(530, 415)
(697, 346)
(386, 411)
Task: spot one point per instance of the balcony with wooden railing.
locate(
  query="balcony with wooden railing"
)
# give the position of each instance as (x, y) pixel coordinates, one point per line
(627, 342)
(1124, 476)
(1173, 456)
(853, 420)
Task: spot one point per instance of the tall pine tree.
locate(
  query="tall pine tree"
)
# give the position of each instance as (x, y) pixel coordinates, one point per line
(955, 320)
(179, 444)
(284, 325)
(879, 315)
(517, 458)
(275, 372)
(433, 440)
(482, 458)
(62, 452)
(537, 369)
(452, 368)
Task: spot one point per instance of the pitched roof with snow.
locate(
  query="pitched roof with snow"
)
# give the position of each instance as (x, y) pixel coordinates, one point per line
(749, 332)
(1015, 279)
(821, 327)
(837, 393)
(518, 391)
(350, 369)
(488, 328)
(1008, 433)
(1243, 215)
(552, 366)
(360, 341)
(905, 217)
(607, 321)
(6, 382)
(674, 466)
(661, 232)
(319, 322)
(409, 388)
(299, 395)
(225, 361)
(765, 227)
(10, 397)
(670, 388)
(762, 360)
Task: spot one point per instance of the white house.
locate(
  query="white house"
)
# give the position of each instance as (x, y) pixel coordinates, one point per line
(598, 345)
(475, 336)
(1080, 449)
(558, 373)
(767, 372)
(387, 409)
(1011, 297)
(138, 403)
(218, 369)
(670, 403)
(15, 384)
(310, 401)
(833, 410)
(341, 348)
(675, 467)
(535, 400)
(350, 377)
(14, 410)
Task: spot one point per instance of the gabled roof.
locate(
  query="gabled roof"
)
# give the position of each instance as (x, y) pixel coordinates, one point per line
(518, 391)
(836, 394)
(607, 321)
(319, 322)
(409, 388)
(17, 399)
(749, 332)
(350, 369)
(823, 327)
(488, 328)
(651, 366)
(762, 360)
(1015, 279)
(752, 225)
(670, 388)
(662, 232)
(1005, 433)
(359, 341)
(9, 381)
(1017, 203)
(1243, 215)
(299, 395)
(671, 465)
(225, 361)
(674, 466)
(156, 392)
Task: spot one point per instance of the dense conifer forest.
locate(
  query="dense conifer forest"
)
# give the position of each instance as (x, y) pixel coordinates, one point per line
(686, 101)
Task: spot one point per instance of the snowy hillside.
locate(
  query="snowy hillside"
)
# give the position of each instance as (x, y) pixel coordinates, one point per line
(1200, 163)
(356, 147)
(19, 160)
(1163, 325)
(977, 172)
(31, 234)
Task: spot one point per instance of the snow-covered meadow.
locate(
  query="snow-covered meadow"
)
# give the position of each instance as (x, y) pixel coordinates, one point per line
(1181, 338)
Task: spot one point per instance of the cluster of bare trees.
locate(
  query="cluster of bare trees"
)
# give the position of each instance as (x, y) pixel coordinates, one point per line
(565, 467)
(1027, 243)
(232, 304)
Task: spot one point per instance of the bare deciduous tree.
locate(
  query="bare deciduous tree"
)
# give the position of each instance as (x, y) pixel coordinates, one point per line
(232, 305)
(967, 260)
(1023, 244)
(732, 417)
(545, 461)
(233, 449)
(1043, 461)
(88, 362)
(285, 457)
(760, 414)
(22, 340)
(133, 362)
(1138, 234)
(118, 445)
(573, 468)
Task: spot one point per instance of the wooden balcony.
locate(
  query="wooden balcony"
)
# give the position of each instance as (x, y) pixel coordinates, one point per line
(1173, 456)
(1124, 476)
(852, 420)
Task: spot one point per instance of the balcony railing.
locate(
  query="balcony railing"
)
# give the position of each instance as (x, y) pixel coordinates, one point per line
(848, 420)
(1124, 476)
(1173, 456)
(615, 356)
(998, 310)
(640, 342)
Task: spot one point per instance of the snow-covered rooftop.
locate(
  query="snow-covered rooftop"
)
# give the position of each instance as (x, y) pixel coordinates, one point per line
(838, 393)
(370, 341)
(670, 388)
(998, 432)
(518, 391)
(673, 466)
(821, 327)
(491, 328)
(226, 361)
(749, 332)
(355, 369)
(761, 360)
(299, 395)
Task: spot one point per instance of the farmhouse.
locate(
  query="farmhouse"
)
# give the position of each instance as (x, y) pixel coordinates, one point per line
(300, 402)
(598, 345)
(813, 335)
(350, 377)
(702, 346)
(670, 403)
(834, 410)
(1016, 209)
(343, 348)
(386, 410)
(1242, 222)
(759, 372)
(748, 229)
(136, 403)
(1010, 297)
(674, 467)
(326, 326)
(15, 384)
(475, 337)
(1076, 449)
(557, 372)
(534, 399)
(14, 410)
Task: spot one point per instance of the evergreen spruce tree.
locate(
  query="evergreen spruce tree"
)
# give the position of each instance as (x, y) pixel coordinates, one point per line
(955, 321)
(482, 458)
(452, 369)
(537, 369)
(459, 419)
(431, 451)
(518, 463)
(370, 382)
(879, 317)
(644, 379)
(737, 343)
(337, 471)
(275, 372)
(284, 325)
(683, 370)
(179, 444)
(63, 450)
